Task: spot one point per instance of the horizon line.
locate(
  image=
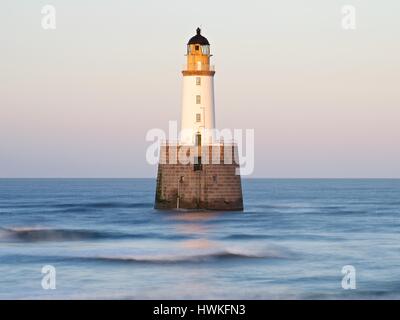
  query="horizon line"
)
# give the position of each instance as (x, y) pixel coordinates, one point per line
(243, 177)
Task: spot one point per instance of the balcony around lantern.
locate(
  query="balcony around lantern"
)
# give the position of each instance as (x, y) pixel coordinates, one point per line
(198, 67)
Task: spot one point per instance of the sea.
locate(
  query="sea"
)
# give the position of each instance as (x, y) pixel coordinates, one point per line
(295, 239)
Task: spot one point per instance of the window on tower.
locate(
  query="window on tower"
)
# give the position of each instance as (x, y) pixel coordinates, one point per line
(198, 81)
(198, 117)
(205, 50)
(196, 47)
(198, 99)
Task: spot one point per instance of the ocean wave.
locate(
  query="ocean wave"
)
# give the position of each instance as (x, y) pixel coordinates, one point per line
(219, 255)
(245, 236)
(80, 206)
(311, 209)
(33, 234)
(37, 234)
(172, 259)
(103, 204)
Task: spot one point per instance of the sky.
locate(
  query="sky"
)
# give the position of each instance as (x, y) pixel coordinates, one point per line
(77, 101)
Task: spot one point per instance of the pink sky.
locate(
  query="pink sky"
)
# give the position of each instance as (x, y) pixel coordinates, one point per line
(77, 101)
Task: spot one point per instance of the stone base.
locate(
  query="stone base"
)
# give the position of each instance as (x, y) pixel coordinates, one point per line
(213, 186)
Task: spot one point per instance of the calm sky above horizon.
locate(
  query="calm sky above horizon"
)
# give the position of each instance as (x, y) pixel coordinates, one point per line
(77, 101)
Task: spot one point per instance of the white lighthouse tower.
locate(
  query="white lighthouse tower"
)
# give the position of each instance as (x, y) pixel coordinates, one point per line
(198, 114)
(209, 179)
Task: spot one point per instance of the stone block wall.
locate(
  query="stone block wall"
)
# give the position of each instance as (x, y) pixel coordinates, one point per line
(215, 185)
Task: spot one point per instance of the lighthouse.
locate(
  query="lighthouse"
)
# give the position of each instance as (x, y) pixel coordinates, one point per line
(199, 171)
(198, 113)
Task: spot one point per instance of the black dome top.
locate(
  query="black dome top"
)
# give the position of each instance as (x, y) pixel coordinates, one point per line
(198, 39)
